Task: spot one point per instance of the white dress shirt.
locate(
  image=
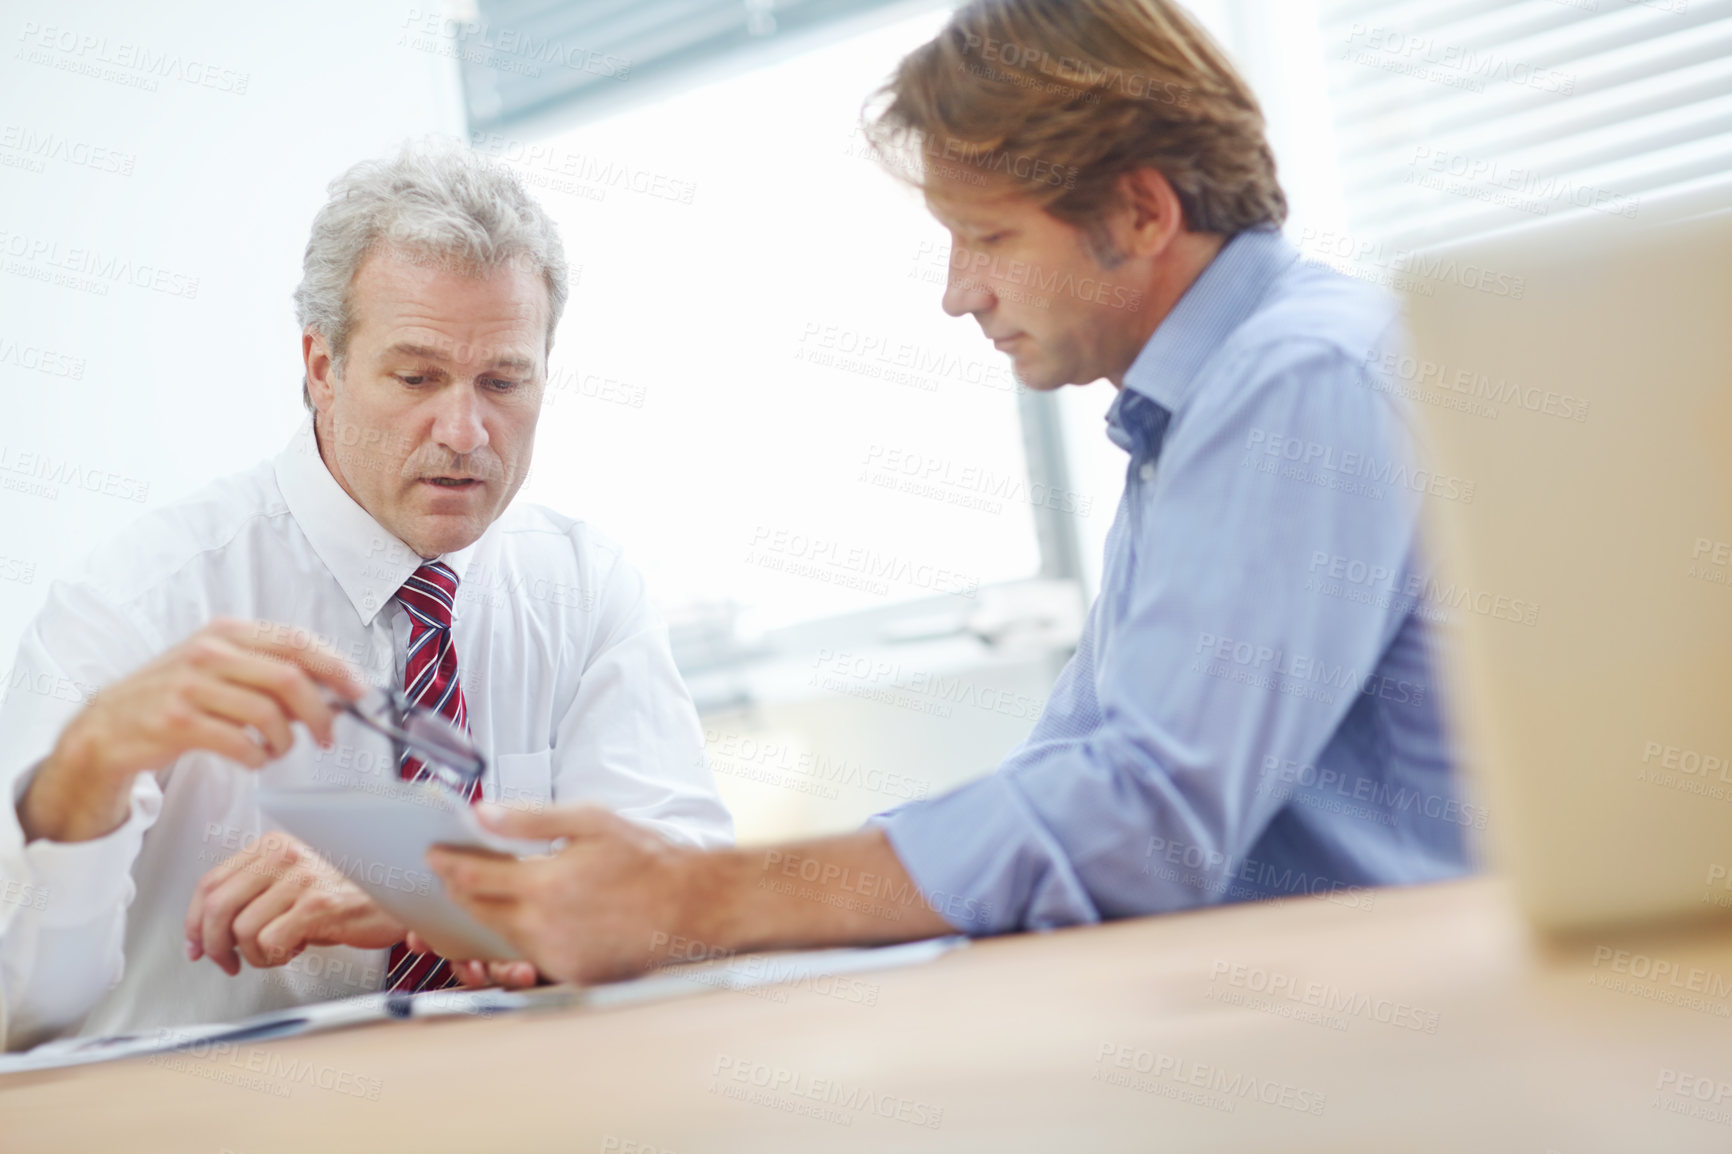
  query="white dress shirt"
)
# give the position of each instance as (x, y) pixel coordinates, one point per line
(571, 688)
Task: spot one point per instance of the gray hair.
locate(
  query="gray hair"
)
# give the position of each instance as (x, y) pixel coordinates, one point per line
(433, 201)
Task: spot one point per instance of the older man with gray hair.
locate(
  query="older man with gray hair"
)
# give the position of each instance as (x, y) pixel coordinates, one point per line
(380, 548)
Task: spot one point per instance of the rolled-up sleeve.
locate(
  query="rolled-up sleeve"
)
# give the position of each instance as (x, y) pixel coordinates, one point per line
(1210, 660)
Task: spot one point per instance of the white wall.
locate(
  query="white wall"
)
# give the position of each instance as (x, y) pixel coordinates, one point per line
(219, 185)
(209, 172)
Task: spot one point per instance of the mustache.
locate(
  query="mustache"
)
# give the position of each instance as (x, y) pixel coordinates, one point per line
(432, 461)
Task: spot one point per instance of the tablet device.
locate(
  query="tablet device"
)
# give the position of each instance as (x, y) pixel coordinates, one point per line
(378, 838)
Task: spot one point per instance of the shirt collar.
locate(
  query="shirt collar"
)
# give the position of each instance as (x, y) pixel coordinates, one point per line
(368, 561)
(1218, 301)
(1134, 421)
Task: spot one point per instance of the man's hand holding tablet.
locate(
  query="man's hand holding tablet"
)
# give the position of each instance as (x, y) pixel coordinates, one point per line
(590, 911)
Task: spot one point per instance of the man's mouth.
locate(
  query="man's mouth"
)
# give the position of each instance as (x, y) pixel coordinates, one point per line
(458, 483)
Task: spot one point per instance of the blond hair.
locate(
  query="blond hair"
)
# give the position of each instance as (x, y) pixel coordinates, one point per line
(1057, 99)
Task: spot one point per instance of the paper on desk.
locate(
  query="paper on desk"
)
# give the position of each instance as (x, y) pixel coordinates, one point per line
(261, 1027)
(734, 973)
(748, 971)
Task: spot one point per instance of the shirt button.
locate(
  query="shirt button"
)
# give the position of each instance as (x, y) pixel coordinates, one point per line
(1147, 472)
(370, 601)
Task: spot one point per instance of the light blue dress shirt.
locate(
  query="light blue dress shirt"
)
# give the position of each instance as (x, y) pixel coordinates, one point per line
(1252, 710)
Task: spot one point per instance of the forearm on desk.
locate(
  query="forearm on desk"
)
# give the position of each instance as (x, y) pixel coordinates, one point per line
(61, 939)
(845, 890)
(54, 974)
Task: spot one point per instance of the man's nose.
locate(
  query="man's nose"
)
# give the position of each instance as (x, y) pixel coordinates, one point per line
(965, 289)
(457, 424)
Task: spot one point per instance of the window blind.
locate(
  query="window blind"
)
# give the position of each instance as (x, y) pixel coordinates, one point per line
(523, 58)
(1459, 117)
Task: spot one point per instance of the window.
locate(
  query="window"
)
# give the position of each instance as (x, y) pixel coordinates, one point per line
(754, 388)
(1457, 117)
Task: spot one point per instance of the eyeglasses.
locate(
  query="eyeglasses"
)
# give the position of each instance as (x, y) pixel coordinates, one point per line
(446, 751)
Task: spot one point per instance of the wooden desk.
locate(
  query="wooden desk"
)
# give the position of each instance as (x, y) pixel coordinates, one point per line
(1438, 1028)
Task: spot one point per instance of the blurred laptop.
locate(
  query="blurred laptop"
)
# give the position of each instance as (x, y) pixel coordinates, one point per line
(1579, 374)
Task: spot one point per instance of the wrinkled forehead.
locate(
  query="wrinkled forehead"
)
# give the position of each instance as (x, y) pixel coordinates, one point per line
(452, 312)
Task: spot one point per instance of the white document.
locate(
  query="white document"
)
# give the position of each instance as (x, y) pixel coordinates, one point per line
(750, 971)
(225, 1037)
(741, 972)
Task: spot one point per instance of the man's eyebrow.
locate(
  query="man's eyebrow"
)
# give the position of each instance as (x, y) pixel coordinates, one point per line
(410, 349)
(427, 352)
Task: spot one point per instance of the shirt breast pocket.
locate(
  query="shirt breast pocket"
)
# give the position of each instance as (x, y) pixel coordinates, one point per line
(523, 780)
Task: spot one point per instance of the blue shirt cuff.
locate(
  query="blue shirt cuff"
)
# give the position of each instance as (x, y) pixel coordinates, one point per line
(986, 862)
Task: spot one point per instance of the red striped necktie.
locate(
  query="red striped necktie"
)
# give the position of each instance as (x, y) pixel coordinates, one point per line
(430, 681)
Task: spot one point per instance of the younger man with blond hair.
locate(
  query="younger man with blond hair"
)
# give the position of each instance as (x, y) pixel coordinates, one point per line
(1230, 727)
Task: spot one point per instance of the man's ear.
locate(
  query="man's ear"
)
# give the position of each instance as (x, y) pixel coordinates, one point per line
(1152, 213)
(321, 370)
